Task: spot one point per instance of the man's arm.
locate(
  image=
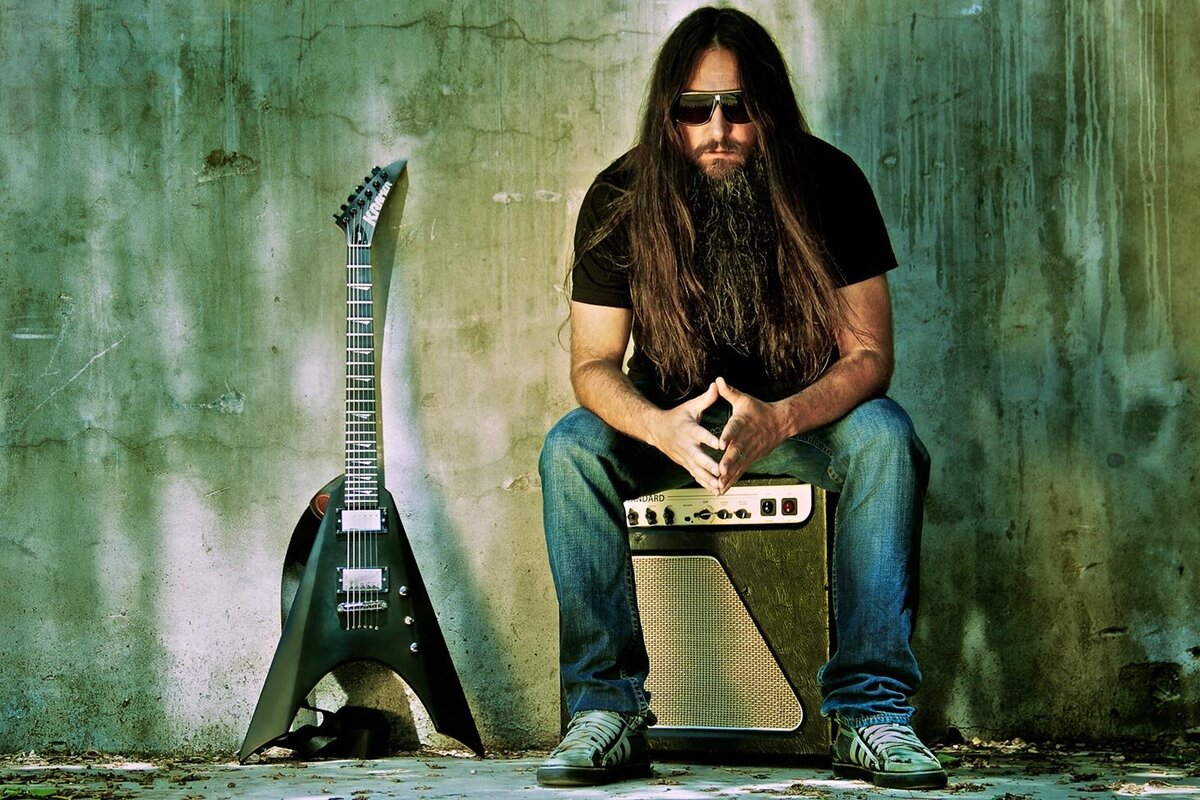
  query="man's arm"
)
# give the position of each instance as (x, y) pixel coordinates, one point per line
(862, 371)
(599, 338)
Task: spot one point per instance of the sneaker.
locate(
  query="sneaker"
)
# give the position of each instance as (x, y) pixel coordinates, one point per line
(599, 747)
(890, 756)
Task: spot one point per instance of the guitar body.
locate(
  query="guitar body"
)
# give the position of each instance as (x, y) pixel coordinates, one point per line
(404, 637)
(351, 588)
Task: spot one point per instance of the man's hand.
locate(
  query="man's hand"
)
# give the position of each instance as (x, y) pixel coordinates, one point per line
(677, 432)
(754, 429)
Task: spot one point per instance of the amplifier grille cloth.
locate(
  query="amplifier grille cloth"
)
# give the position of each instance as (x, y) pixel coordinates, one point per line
(709, 665)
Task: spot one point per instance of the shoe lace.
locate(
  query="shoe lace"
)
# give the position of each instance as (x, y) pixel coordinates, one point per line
(896, 743)
(591, 730)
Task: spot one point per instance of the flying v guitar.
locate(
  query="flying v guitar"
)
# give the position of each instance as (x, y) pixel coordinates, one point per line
(357, 593)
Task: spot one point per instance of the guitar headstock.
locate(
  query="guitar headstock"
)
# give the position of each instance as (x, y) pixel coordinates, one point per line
(359, 215)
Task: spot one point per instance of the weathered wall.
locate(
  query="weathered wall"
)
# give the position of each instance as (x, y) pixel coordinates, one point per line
(171, 328)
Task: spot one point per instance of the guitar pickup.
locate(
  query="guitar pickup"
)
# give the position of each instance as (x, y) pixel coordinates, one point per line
(361, 520)
(362, 579)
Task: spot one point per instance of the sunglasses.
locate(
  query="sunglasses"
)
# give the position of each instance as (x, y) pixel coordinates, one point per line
(696, 108)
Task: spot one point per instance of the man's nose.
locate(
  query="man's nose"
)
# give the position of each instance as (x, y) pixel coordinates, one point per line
(717, 126)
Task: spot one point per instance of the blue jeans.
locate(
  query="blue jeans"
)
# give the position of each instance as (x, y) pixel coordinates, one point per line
(872, 457)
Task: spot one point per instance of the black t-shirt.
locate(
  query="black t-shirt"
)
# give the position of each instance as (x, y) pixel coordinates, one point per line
(843, 213)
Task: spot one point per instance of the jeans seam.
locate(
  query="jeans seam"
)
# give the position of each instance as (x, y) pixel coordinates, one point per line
(635, 618)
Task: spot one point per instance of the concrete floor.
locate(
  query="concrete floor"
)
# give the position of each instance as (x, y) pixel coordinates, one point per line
(1005, 771)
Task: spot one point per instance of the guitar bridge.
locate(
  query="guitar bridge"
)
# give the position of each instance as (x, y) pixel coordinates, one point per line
(362, 605)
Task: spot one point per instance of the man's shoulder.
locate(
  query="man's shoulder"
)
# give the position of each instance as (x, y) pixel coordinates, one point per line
(826, 159)
(617, 176)
(607, 188)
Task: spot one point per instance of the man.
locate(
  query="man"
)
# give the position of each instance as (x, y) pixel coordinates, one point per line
(747, 259)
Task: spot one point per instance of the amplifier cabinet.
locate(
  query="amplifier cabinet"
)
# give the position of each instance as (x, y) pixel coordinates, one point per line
(736, 618)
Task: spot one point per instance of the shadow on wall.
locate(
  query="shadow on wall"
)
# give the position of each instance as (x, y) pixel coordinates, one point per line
(1049, 583)
(1050, 378)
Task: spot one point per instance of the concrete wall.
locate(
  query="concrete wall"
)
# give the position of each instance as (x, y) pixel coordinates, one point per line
(171, 328)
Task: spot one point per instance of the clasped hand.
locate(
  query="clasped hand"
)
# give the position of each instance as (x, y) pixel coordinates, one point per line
(754, 429)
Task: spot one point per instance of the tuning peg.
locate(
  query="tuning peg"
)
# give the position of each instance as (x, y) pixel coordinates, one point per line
(350, 198)
(343, 206)
(361, 202)
(358, 188)
(369, 193)
(366, 180)
(383, 175)
(374, 170)
(376, 184)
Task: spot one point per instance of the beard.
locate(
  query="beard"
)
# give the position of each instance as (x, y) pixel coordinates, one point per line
(735, 252)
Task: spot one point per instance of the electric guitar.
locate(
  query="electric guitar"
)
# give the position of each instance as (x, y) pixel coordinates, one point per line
(350, 577)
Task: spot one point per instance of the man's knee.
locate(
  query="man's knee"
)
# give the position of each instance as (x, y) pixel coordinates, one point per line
(880, 426)
(576, 439)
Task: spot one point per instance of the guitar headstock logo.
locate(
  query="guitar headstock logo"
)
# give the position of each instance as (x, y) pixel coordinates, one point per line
(372, 214)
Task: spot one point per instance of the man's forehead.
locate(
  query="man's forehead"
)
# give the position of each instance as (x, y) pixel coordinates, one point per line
(715, 69)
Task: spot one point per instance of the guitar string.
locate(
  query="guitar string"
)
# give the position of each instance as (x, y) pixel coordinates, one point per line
(362, 458)
(368, 305)
(368, 397)
(348, 585)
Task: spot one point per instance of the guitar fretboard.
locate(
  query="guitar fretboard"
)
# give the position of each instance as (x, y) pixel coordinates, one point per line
(362, 446)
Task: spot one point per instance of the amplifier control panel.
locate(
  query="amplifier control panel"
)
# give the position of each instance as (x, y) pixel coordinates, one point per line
(774, 504)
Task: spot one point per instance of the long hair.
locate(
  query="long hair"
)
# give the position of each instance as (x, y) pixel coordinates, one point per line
(803, 309)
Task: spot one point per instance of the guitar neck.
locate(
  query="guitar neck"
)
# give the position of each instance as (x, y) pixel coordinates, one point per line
(362, 439)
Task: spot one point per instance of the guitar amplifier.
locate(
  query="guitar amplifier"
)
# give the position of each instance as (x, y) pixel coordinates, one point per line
(734, 601)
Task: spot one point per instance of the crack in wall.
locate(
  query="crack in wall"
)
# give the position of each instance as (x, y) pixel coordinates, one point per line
(70, 380)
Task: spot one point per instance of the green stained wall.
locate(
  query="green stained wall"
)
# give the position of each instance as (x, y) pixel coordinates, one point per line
(171, 332)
